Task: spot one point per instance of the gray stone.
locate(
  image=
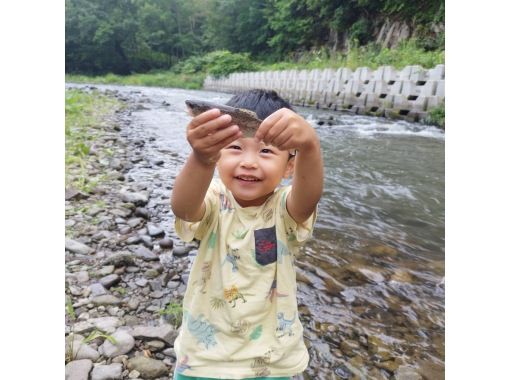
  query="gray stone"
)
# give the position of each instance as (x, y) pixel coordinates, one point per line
(166, 259)
(142, 212)
(125, 230)
(106, 324)
(133, 303)
(141, 282)
(164, 332)
(78, 369)
(155, 231)
(133, 222)
(107, 372)
(120, 259)
(181, 251)
(170, 351)
(83, 327)
(138, 199)
(147, 241)
(157, 294)
(97, 289)
(122, 212)
(110, 280)
(155, 285)
(81, 350)
(73, 194)
(134, 374)
(82, 276)
(123, 344)
(77, 247)
(166, 243)
(155, 345)
(144, 254)
(148, 368)
(133, 240)
(106, 270)
(106, 299)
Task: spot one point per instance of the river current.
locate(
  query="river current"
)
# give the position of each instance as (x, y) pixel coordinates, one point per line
(371, 281)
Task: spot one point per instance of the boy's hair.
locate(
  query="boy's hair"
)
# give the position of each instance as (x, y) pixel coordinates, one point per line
(262, 102)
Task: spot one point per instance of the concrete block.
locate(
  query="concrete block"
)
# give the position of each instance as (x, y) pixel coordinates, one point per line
(395, 88)
(437, 73)
(353, 87)
(372, 103)
(420, 104)
(418, 74)
(362, 74)
(440, 89)
(429, 88)
(406, 72)
(433, 102)
(409, 88)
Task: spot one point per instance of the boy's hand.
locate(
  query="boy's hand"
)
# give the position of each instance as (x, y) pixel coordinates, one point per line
(286, 130)
(209, 132)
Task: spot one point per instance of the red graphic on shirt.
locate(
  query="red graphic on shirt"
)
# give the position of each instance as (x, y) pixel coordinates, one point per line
(263, 246)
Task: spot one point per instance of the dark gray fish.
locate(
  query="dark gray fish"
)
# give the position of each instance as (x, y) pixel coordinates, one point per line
(247, 120)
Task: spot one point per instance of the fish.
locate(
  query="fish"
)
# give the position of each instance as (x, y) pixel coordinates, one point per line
(247, 120)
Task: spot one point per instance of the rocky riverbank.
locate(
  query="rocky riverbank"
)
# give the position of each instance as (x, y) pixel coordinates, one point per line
(125, 278)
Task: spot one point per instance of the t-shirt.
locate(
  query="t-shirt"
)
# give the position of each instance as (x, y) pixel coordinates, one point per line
(240, 316)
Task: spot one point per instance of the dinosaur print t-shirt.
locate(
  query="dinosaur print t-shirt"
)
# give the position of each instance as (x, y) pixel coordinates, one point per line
(240, 317)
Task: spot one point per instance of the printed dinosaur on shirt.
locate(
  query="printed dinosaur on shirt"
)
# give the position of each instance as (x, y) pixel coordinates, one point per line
(240, 310)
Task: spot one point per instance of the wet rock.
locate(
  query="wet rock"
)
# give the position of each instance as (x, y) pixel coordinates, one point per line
(166, 243)
(134, 240)
(382, 250)
(123, 344)
(125, 230)
(164, 332)
(120, 259)
(77, 247)
(148, 368)
(147, 241)
(110, 280)
(106, 299)
(402, 275)
(78, 369)
(349, 346)
(407, 372)
(107, 372)
(155, 231)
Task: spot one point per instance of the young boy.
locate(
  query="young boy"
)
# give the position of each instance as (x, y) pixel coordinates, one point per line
(240, 310)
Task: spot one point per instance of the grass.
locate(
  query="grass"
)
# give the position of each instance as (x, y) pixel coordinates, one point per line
(172, 311)
(154, 79)
(85, 112)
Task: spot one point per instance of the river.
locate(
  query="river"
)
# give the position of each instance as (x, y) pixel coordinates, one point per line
(371, 282)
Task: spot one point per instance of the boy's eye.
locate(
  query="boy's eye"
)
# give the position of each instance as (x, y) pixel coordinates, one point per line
(234, 147)
(265, 150)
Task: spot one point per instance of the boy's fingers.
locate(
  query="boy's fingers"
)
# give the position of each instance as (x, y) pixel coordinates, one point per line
(275, 131)
(267, 124)
(223, 143)
(211, 126)
(282, 139)
(221, 135)
(204, 117)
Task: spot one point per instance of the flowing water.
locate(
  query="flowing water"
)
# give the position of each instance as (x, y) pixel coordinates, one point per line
(371, 282)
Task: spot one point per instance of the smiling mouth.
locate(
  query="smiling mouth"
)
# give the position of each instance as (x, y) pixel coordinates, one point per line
(247, 178)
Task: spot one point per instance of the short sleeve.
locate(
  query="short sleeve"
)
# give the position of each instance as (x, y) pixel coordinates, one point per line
(297, 234)
(188, 231)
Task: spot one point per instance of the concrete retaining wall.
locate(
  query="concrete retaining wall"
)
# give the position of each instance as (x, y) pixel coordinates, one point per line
(409, 93)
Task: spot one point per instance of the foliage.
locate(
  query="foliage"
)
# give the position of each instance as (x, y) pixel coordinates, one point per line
(98, 334)
(173, 312)
(437, 116)
(133, 37)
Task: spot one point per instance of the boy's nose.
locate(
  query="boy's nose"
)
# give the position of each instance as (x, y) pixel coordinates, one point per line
(249, 164)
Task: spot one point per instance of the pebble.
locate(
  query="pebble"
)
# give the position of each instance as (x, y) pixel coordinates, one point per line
(166, 243)
(142, 212)
(110, 280)
(155, 231)
(181, 251)
(144, 254)
(106, 299)
(97, 289)
(105, 271)
(120, 259)
(77, 247)
(147, 367)
(124, 343)
(163, 332)
(107, 372)
(138, 199)
(78, 369)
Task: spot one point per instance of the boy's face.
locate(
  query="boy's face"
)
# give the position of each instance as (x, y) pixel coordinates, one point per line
(251, 170)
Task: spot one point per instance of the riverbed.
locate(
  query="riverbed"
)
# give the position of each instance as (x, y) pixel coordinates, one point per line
(371, 282)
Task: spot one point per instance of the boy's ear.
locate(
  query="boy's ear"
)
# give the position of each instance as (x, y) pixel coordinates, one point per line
(289, 170)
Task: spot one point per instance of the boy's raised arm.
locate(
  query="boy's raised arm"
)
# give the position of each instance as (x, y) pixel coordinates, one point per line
(207, 134)
(286, 130)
